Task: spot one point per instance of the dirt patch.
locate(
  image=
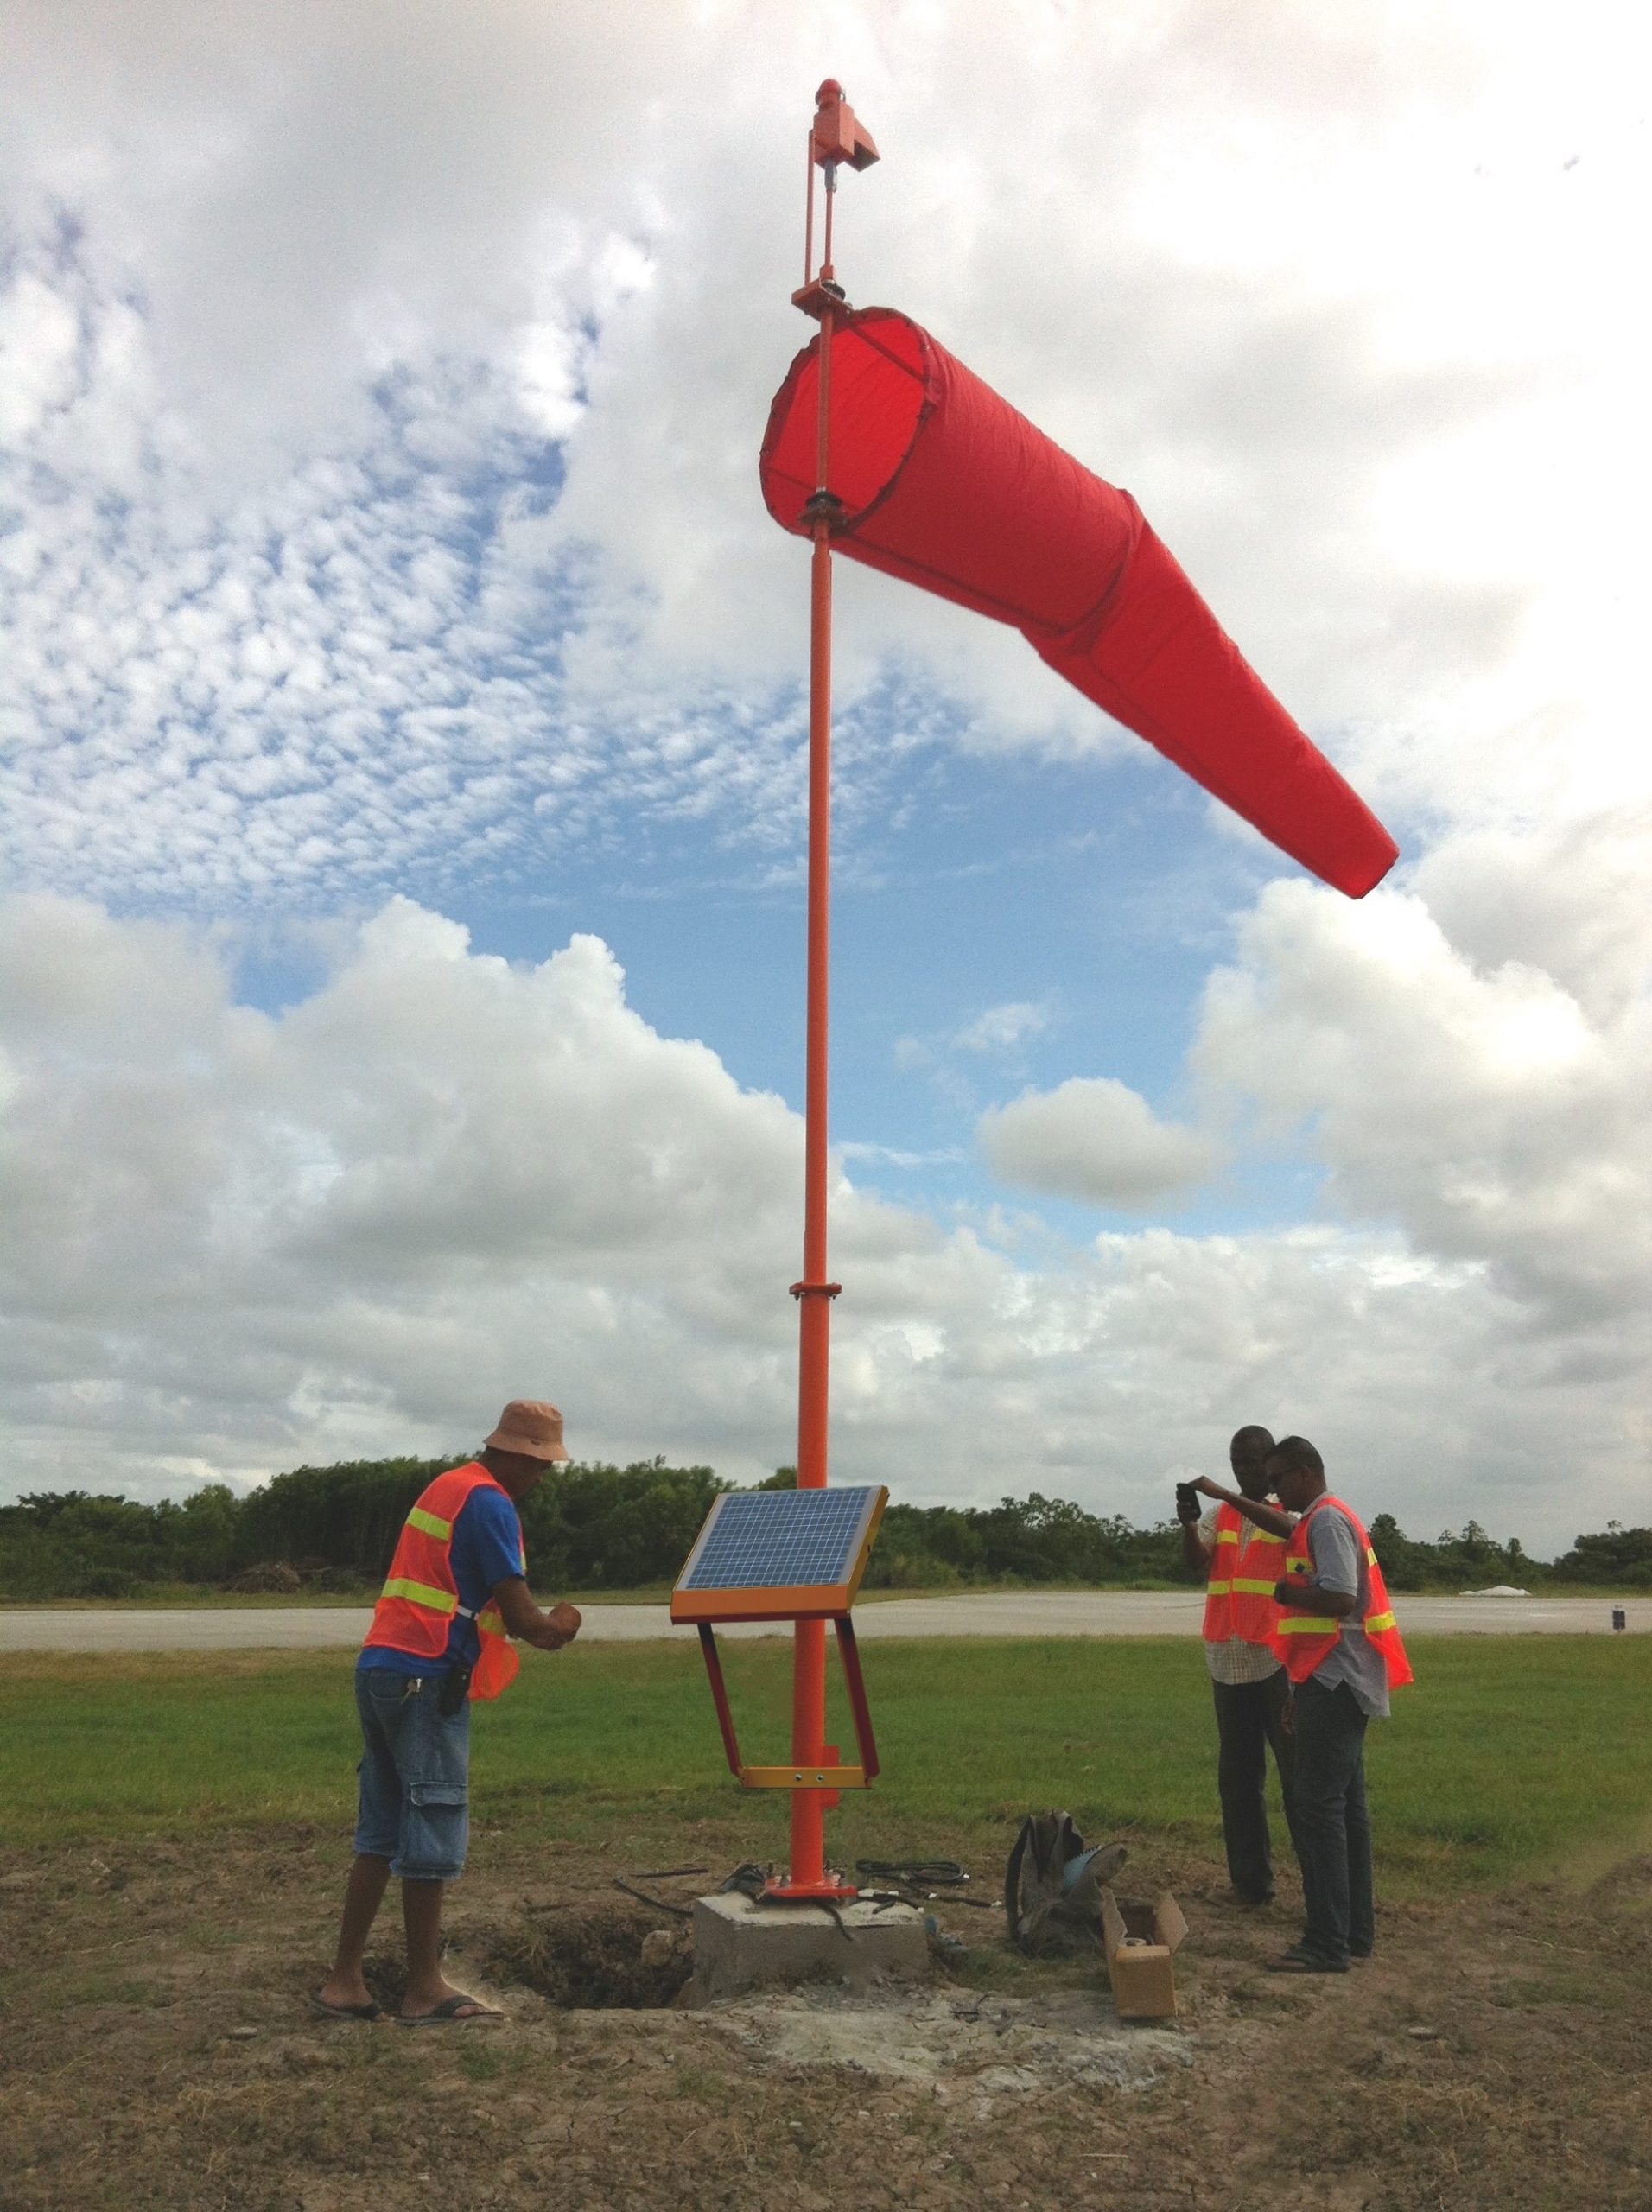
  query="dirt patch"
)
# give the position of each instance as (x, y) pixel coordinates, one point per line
(983, 2046)
(157, 2057)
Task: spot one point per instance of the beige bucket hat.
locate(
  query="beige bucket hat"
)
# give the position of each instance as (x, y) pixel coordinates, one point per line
(530, 1427)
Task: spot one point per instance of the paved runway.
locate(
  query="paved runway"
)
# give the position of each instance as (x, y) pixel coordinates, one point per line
(1021, 1613)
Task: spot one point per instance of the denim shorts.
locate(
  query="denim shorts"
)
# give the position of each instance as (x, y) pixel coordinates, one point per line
(414, 1770)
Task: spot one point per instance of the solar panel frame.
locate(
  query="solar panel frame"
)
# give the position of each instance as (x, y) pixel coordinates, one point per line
(779, 1554)
(758, 1538)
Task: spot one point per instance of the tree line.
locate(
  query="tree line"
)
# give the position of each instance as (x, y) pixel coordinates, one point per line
(597, 1527)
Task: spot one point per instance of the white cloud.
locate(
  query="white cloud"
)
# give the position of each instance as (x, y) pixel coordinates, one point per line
(290, 553)
(1475, 1097)
(895, 1156)
(1002, 1029)
(1094, 1139)
(39, 335)
(304, 685)
(1566, 897)
(235, 1243)
(997, 1033)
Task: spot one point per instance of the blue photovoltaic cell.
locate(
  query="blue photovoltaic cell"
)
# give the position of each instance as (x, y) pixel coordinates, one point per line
(781, 1539)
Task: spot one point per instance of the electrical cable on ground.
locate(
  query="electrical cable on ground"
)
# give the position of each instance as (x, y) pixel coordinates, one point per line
(925, 1878)
(660, 1905)
(916, 1872)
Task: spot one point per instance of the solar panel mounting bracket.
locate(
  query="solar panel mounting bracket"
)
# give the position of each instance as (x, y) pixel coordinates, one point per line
(785, 1555)
(793, 1777)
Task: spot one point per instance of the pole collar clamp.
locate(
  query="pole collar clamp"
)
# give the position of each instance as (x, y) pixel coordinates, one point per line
(823, 508)
(821, 296)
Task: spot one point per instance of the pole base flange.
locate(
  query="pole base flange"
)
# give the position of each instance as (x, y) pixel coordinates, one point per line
(829, 1891)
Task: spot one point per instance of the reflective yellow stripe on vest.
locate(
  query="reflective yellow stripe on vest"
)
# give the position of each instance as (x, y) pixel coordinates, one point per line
(1375, 1623)
(1250, 1588)
(421, 1593)
(430, 1523)
(1227, 1535)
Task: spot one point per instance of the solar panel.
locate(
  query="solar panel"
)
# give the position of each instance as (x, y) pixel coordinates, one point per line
(779, 1554)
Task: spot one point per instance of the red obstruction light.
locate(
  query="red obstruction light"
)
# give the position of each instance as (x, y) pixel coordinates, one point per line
(838, 134)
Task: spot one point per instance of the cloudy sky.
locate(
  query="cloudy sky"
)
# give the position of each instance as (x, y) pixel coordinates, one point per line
(402, 775)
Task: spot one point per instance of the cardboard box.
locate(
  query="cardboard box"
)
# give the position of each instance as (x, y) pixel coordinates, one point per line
(1143, 1940)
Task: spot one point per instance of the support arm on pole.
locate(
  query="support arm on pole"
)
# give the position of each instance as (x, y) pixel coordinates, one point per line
(835, 135)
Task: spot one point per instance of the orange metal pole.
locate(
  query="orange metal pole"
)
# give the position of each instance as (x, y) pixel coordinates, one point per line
(815, 1301)
(808, 1867)
(807, 1875)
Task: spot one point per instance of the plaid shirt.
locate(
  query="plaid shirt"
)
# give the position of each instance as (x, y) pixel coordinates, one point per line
(1234, 1661)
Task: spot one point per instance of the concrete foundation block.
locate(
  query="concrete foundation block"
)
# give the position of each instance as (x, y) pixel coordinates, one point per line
(739, 1945)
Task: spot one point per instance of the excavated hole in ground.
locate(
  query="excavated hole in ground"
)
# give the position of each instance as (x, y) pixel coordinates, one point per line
(590, 1958)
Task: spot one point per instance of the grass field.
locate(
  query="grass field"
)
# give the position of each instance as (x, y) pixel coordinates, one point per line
(173, 1831)
(1509, 1754)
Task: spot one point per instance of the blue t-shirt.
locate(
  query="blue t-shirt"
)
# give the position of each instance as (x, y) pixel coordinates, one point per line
(487, 1551)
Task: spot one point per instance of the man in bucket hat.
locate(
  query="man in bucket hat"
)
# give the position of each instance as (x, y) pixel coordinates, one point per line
(457, 1590)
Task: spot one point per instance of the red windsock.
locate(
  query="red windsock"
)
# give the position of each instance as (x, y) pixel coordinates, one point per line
(943, 484)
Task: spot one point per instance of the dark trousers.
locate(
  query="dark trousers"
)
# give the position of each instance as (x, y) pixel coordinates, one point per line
(1248, 1718)
(1333, 1830)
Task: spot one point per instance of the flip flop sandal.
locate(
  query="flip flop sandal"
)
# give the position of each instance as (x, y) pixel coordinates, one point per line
(367, 2011)
(452, 2012)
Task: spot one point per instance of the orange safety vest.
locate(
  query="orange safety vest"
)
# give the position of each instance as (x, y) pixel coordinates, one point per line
(417, 1606)
(1304, 1641)
(1244, 1566)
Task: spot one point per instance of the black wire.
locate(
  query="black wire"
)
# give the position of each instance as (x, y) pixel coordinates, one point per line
(660, 1905)
(917, 1873)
